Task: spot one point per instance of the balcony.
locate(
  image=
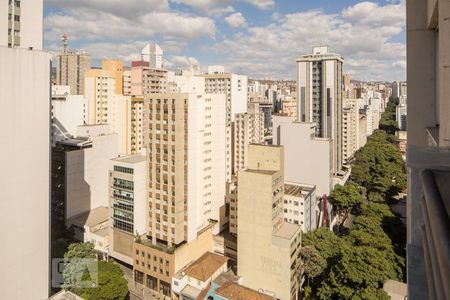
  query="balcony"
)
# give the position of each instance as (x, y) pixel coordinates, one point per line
(428, 249)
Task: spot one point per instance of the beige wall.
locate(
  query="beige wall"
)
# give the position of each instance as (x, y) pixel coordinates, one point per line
(25, 181)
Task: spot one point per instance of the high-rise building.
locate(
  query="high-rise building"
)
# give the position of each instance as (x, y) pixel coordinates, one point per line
(428, 159)
(154, 55)
(115, 67)
(399, 89)
(401, 116)
(268, 247)
(184, 135)
(350, 128)
(146, 80)
(234, 87)
(248, 128)
(71, 68)
(104, 106)
(128, 204)
(21, 24)
(25, 114)
(319, 88)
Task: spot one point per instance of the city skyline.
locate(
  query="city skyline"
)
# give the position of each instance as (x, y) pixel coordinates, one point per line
(261, 39)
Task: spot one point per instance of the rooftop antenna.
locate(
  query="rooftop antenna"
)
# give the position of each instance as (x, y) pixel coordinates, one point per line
(64, 43)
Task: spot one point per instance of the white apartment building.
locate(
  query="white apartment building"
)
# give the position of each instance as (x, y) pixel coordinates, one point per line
(25, 115)
(350, 128)
(104, 106)
(128, 204)
(307, 158)
(401, 116)
(21, 23)
(154, 55)
(319, 96)
(234, 87)
(248, 128)
(300, 205)
(66, 113)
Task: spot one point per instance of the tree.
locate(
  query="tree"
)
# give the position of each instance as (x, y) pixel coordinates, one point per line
(346, 198)
(75, 263)
(107, 280)
(313, 264)
(111, 284)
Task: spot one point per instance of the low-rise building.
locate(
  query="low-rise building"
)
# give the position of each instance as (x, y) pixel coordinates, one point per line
(300, 205)
(92, 226)
(197, 276)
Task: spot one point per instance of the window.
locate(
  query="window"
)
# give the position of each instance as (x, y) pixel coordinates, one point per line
(123, 169)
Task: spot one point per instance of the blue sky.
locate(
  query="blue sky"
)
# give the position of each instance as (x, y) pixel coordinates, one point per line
(259, 38)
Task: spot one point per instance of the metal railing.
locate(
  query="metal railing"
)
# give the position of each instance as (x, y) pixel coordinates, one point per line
(436, 236)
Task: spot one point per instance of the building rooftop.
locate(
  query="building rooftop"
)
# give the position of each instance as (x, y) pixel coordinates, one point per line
(76, 142)
(91, 218)
(226, 277)
(234, 291)
(190, 292)
(287, 231)
(131, 159)
(297, 190)
(204, 267)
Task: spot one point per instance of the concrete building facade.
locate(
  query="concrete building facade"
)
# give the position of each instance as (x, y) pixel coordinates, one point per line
(268, 247)
(350, 129)
(300, 205)
(21, 24)
(66, 113)
(428, 75)
(128, 204)
(25, 114)
(71, 68)
(319, 96)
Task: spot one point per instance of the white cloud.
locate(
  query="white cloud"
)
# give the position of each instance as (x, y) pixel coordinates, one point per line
(181, 62)
(236, 20)
(262, 4)
(362, 33)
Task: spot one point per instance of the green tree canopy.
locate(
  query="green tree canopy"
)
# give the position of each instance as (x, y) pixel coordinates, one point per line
(346, 198)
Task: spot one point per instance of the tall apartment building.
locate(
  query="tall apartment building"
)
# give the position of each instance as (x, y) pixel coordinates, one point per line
(128, 204)
(401, 114)
(137, 125)
(362, 128)
(248, 128)
(66, 113)
(268, 247)
(105, 106)
(146, 80)
(126, 86)
(428, 76)
(399, 89)
(350, 128)
(319, 88)
(25, 114)
(115, 67)
(234, 87)
(21, 24)
(154, 55)
(184, 136)
(71, 68)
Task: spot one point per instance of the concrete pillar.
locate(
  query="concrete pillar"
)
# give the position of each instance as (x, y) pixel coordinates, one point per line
(444, 73)
(421, 73)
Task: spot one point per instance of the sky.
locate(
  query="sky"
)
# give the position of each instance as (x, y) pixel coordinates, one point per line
(258, 38)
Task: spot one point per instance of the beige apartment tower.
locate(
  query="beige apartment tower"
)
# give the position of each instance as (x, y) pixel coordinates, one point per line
(350, 128)
(268, 247)
(71, 68)
(248, 128)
